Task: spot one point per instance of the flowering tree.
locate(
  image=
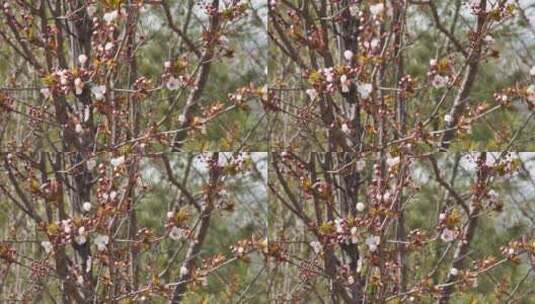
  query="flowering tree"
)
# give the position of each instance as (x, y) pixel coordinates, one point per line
(96, 75)
(362, 75)
(107, 109)
(151, 230)
(365, 229)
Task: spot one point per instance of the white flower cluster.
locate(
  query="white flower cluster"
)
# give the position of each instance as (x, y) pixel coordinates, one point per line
(81, 238)
(373, 242)
(377, 9)
(101, 241)
(316, 247)
(312, 94)
(531, 93)
(47, 246)
(177, 233)
(98, 91)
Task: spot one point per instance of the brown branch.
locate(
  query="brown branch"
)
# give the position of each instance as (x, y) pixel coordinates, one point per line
(200, 235)
(25, 201)
(468, 82)
(440, 26)
(30, 56)
(178, 184)
(446, 185)
(468, 231)
(180, 33)
(284, 44)
(200, 82)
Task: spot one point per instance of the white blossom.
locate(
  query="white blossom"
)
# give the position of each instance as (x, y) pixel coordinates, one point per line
(330, 77)
(87, 206)
(360, 207)
(91, 10)
(78, 128)
(45, 92)
(439, 81)
(101, 241)
(359, 263)
(239, 97)
(372, 44)
(91, 164)
(108, 46)
(360, 165)
(170, 214)
(172, 83)
(116, 162)
(454, 271)
(329, 74)
(87, 113)
(448, 118)
(167, 64)
(110, 16)
(338, 224)
(354, 10)
(81, 238)
(316, 246)
(364, 89)
(447, 235)
(82, 58)
(184, 270)
(376, 9)
(489, 39)
(532, 71)
(47, 246)
(502, 98)
(79, 86)
(177, 234)
(348, 55)
(392, 161)
(98, 91)
(531, 93)
(472, 5)
(312, 94)
(373, 242)
(346, 129)
(223, 40)
(354, 235)
(113, 195)
(63, 80)
(89, 264)
(66, 226)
